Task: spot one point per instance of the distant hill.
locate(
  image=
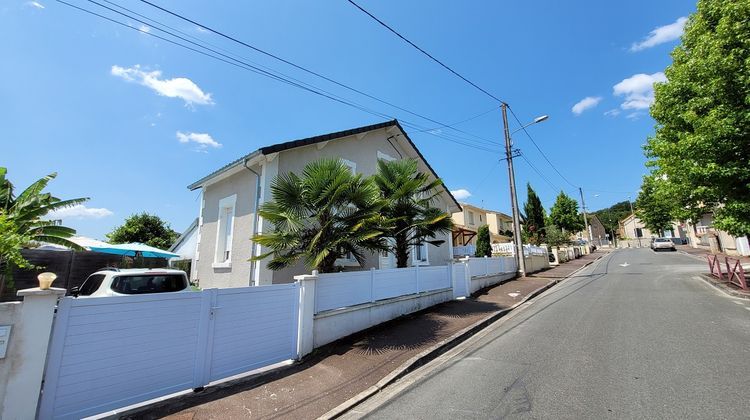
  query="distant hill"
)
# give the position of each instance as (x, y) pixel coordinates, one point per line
(611, 215)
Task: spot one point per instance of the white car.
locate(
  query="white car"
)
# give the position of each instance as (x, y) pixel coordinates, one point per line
(133, 281)
(662, 243)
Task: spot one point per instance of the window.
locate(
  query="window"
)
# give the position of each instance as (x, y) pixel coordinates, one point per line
(225, 231)
(384, 156)
(91, 285)
(480, 218)
(471, 217)
(420, 254)
(350, 164)
(162, 283)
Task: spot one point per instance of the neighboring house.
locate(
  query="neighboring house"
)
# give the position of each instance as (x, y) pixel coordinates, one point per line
(699, 235)
(231, 196)
(596, 230)
(467, 222)
(631, 227)
(185, 246)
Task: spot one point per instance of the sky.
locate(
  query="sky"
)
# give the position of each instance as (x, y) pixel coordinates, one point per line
(130, 120)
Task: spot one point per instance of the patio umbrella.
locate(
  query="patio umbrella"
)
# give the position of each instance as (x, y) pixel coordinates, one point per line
(134, 249)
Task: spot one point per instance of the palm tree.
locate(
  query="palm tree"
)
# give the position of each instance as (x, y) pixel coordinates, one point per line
(323, 215)
(408, 196)
(24, 216)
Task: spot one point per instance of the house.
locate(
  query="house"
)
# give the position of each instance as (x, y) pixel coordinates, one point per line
(467, 222)
(632, 227)
(596, 231)
(185, 246)
(701, 234)
(231, 195)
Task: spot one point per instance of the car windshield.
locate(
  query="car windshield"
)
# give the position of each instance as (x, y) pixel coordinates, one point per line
(150, 283)
(663, 240)
(91, 285)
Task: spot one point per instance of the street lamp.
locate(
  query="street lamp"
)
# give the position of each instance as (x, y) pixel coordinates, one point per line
(512, 179)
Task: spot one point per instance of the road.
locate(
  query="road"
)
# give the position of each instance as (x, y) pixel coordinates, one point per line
(634, 335)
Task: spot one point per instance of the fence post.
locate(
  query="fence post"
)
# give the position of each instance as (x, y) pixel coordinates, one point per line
(372, 284)
(27, 352)
(305, 324)
(486, 266)
(450, 277)
(416, 274)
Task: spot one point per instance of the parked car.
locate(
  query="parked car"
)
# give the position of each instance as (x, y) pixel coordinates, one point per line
(134, 281)
(659, 244)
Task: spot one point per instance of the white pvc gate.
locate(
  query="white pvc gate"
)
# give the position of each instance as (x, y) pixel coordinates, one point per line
(112, 352)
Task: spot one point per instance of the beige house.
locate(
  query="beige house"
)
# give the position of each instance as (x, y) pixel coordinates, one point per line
(231, 196)
(467, 222)
(701, 234)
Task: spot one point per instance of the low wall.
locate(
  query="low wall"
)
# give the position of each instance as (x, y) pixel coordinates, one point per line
(536, 263)
(478, 283)
(331, 325)
(10, 314)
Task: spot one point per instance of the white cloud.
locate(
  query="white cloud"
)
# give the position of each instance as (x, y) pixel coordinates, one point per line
(612, 112)
(661, 35)
(179, 87)
(461, 194)
(638, 90)
(586, 103)
(80, 211)
(35, 4)
(144, 28)
(203, 140)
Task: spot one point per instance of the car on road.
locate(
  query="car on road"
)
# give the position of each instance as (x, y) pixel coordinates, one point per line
(133, 281)
(659, 244)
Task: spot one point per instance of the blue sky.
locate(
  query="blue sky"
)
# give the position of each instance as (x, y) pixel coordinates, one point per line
(130, 120)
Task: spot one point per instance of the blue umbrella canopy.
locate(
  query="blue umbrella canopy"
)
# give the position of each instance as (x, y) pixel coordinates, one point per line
(133, 250)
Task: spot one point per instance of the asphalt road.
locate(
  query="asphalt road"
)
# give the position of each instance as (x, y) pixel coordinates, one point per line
(646, 340)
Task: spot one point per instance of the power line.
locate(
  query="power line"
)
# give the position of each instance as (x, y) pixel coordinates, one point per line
(250, 67)
(385, 25)
(465, 120)
(302, 68)
(539, 149)
(531, 165)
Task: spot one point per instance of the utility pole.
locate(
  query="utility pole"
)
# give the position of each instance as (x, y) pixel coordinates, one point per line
(585, 217)
(513, 199)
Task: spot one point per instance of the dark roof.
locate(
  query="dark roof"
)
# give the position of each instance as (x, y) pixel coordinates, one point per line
(319, 139)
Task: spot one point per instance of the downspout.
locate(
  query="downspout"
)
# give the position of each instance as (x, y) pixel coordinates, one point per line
(251, 280)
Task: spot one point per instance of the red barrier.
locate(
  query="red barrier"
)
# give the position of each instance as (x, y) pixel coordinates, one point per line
(715, 266)
(736, 273)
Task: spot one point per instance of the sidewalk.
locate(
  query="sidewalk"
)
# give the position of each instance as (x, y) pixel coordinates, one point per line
(341, 370)
(702, 253)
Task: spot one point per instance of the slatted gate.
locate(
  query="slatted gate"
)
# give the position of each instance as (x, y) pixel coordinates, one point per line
(108, 353)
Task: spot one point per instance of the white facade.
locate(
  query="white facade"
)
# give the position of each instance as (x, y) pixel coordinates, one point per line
(230, 199)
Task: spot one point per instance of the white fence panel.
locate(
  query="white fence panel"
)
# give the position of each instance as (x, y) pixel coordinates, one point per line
(464, 250)
(253, 327)
(107, 353)
(394, 282)
(495, 266)
(339, 290)
(434, 278)
(116, 351)
(478, 266)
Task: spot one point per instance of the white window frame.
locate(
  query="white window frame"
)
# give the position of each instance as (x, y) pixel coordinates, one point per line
(414, 260)
(219, 260)
(385, 156)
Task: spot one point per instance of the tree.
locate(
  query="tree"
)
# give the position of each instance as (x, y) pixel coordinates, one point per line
(534, 216)
(654, 208)
(484, 248)
(23, 221)
(702, 139)
(556, 237)
(144, 228)
(407, 196)
(323, 215)
(564, 214)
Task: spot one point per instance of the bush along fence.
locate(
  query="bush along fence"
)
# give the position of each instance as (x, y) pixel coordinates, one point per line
(83, 350)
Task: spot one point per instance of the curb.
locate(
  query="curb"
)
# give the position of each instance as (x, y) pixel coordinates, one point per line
(720, 286)
(439, 348)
